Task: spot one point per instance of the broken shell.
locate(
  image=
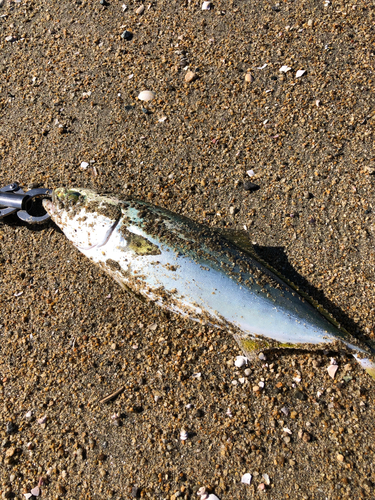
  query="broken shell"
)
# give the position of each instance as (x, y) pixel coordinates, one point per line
(284, 69)
(332, 369)
(300, 73)
(146, 95)
(140, 10)
(266, 478)
(206, 5)
(246, 478)
(183, 435)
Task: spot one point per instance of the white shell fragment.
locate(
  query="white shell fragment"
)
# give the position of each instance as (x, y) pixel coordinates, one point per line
(264, 66)
(146, 95)
(266, 478)
(300, 73)
(246, 478)
(140, 10)
(332, 369)
(84, 165)
(250, 173)
(240, 361)
(284, 69)
(206, 5)
(288, 431)
(35, 491)
(183, 435)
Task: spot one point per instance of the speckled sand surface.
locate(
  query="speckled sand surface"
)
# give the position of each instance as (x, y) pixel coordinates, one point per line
(68, 94)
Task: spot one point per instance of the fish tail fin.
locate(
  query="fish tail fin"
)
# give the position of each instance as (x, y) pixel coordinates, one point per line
(367, 364)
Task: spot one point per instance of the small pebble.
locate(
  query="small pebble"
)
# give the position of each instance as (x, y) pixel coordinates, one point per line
(249, 78)
(126, 35)
(190, 77)
(135, 492)
(11, 428)
(250, 186)
(240, 361)
(140, 9)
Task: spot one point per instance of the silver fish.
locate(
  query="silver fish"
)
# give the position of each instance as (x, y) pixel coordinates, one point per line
(196, 272)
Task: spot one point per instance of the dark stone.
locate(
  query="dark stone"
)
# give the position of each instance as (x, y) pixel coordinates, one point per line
(127, 35)
(135, 492)
(250, 186)
(300, 395)
(11, 428)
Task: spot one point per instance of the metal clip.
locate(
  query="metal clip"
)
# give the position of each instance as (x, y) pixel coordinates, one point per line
(14, 199)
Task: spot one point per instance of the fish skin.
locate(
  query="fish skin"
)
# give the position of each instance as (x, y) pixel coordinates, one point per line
(196, 272)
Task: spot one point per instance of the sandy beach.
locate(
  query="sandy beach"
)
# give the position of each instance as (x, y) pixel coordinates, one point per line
(263, 122)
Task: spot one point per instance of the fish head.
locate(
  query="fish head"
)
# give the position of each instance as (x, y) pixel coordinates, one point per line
(86, 218)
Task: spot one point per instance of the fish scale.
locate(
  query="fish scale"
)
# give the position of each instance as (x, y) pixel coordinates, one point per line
(193, 271)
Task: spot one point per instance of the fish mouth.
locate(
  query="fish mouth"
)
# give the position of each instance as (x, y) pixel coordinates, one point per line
(57, 206)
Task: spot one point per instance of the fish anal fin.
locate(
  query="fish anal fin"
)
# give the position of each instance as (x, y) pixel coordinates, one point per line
(252, 346)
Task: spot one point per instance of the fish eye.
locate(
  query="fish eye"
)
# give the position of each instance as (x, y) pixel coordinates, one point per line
(73, 197)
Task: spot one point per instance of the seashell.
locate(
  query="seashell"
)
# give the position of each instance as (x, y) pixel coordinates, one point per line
(284, 69)
(300, 73)
(246, 478)
(146, 95)
(206, 5)
(332, 369)
(140, 9)
(183, 435)
(35, 491)
(266, 478)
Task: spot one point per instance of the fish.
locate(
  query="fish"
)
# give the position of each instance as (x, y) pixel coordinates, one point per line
(198, 272)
